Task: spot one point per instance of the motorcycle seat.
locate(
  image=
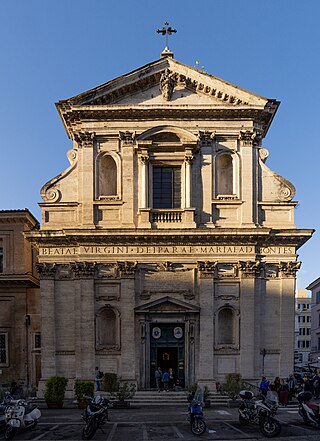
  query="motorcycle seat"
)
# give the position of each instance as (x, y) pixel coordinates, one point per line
(313, 406)
(30, 408)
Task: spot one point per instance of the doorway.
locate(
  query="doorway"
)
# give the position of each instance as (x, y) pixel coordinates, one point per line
(167, 351)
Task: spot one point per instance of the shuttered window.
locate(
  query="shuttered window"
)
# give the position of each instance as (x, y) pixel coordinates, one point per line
(166, 187)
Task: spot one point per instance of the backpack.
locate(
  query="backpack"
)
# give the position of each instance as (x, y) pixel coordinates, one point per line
(100, 375)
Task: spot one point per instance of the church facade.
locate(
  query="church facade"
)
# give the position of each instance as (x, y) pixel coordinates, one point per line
(168, 241)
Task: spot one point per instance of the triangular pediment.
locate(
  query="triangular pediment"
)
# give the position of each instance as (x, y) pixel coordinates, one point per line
(167, 304)
(167, 82)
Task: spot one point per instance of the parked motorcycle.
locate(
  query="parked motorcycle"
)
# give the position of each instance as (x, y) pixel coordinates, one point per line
(260, 412)
(196, 418)
(308, 410)
(20, 414)
(95, 415)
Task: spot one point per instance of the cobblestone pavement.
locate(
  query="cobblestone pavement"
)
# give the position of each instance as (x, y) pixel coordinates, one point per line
(163, 424)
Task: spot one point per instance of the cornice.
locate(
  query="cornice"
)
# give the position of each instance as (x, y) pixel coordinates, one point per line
(19, 280)
(259, 237)
(76, 117)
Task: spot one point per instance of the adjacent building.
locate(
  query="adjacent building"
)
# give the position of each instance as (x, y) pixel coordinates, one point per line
(20, 312)
(314, 287)
(302, 329)
(168, 241)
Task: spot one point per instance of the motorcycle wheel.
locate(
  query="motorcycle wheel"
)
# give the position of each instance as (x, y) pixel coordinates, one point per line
(89, 429)
(270, 427)
(243, 421)
(10, 432)
(198, 427)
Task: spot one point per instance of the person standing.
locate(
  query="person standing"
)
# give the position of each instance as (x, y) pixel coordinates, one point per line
(292, 386)
(166, 379)
(264, 386)
(158, 377)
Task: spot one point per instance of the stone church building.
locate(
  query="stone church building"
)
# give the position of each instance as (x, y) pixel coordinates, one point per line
(168, 241)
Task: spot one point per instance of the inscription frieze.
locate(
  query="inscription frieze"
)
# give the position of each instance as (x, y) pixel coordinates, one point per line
(164, 250)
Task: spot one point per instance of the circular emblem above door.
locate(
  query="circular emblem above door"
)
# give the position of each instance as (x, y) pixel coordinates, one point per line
(177, 332)
(156, 332)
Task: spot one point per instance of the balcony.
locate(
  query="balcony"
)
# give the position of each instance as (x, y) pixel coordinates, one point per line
(167, 218)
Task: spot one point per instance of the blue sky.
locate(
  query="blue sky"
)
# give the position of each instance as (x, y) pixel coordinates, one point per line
(54, 49)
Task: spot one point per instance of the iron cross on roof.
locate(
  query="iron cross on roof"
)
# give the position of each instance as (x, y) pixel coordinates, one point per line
(166, 30)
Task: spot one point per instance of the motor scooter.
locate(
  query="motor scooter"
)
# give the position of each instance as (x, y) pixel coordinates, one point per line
(195, 413)
(20, 414)
(308, 410)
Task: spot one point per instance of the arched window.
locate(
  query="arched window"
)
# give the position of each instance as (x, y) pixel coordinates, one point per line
(107, 335)
(226, 327)
(224, 174)
(107, 176)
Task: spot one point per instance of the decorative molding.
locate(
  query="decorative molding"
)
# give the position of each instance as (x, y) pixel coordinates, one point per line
(126, 269)
(127, 137)
(206, 137)
(289, 269)
(144, 159)
(207, 269)
(83, 269)
(46, 270)
(250, 268)
(166, 266)
(250, 137)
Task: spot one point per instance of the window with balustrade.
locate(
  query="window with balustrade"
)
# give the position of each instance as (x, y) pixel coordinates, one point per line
(166, 187)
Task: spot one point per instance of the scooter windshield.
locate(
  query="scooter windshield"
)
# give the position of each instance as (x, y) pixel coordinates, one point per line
(198, 396)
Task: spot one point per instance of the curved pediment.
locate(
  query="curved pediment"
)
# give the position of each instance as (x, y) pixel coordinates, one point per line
(167, 304)
(168, 134)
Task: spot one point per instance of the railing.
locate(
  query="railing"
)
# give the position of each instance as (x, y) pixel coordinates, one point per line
(168, 216)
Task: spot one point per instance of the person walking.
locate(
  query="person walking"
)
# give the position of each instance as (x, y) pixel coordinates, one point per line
(158, 377)
(98, 378)
(166, 379)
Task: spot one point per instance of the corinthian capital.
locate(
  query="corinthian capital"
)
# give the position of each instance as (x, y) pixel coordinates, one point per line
(46, 270)
(289, 269)
(84, 139)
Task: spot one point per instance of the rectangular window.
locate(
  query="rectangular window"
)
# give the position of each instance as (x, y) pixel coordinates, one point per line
(318, 297)
(307, 344)
(166, 187)
(308, 319)
(318, 343)
(4, 348)
(308, 331)
(1, 260)
(37, 340)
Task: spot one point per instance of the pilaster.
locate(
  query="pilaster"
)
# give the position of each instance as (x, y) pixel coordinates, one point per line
(86, 173)
(206, 343)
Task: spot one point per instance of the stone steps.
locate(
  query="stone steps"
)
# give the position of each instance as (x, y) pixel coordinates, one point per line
(154, 398)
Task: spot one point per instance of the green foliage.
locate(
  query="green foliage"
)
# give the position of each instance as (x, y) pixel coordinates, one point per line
(82, 387)
(206, 393)
(110, 382)
(55, 389)
(233, 385)
(125, 391)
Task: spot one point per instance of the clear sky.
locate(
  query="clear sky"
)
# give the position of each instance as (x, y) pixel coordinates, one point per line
(55, 49)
